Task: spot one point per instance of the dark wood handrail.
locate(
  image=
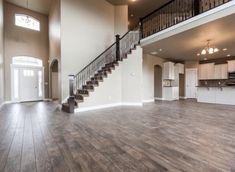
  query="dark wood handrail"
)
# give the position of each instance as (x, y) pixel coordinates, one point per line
(174, 12)
(102, 53)
(96, 58)
(158, 9)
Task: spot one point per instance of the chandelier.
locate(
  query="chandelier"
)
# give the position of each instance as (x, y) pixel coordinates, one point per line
(209, 49)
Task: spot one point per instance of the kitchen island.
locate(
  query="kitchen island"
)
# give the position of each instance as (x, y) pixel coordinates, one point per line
(216, 94)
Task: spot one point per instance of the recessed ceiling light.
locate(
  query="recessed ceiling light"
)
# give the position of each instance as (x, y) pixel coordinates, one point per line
(154, 53)
(198, 54)
(225, 49)
(228, 55)
(133, 0)
(205, 58)
(160, 49)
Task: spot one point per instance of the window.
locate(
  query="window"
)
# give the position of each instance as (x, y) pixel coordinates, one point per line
(27, 61)
(28, 73)
(27, 22)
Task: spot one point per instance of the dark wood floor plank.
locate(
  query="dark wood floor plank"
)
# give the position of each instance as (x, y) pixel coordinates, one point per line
(43, 163)
(14, 157)
(163, 136)
(28, 161)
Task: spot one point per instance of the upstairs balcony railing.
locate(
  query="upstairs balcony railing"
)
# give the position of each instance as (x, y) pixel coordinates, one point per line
(174, 12)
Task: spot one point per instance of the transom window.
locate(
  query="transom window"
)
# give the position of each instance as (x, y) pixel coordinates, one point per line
(26, 21)
(26, 61)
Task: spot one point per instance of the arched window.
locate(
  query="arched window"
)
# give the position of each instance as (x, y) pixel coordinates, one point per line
(26, 21)
(26, 61)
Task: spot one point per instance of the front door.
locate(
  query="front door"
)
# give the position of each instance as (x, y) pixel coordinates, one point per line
(27, 83)
(191, 83)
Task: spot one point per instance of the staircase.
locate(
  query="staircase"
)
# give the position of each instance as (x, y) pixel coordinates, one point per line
(89, 77)
(168, 15)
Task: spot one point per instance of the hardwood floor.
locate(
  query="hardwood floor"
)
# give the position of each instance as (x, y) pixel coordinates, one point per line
(161, 136)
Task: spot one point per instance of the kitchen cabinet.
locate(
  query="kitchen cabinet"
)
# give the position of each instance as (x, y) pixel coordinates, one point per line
(206, 71)
(231, 66)
(221, 71)
(171, 93)
(169, 71)
(224, 95)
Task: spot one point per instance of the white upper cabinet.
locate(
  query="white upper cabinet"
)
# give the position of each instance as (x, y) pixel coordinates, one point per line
(221, 71)
(206, 71)
(169, 71)
(231, 66)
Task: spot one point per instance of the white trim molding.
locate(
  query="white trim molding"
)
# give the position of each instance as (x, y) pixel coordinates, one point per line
(183, 98)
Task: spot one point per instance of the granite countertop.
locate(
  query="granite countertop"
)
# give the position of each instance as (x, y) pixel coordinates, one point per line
(204, 86)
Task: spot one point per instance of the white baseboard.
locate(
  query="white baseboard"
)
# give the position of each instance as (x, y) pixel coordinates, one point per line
(184, 98)
(91, 108)
(159, 98)
(148, 101)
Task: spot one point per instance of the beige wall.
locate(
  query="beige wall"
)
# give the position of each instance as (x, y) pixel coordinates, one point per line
(1, 55)
(132, 77)
(87, 29)
(191, 64)
(55, 48)
(149, 62)
(20, 41)
(54, 31)
(121, 19)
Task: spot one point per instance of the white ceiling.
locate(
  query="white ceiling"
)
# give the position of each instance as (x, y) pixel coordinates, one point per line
(186, 45)
(41, 6)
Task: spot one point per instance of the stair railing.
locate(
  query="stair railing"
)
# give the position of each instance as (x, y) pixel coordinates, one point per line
(116, 52)
(174, 12)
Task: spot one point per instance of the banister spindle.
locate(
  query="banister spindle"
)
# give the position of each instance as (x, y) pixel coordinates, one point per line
(196, 7)
(118, 48)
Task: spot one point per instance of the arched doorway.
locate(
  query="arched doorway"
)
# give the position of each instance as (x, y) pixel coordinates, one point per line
(54, 80)
(157, 82)
(27, 78)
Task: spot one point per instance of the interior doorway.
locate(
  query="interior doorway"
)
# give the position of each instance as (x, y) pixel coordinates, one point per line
(191, 83)
(27, 78)
(54, 78)
(157, 82)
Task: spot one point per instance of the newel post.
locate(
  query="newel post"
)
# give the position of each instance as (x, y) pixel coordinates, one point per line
(141, 29)
(71, 100)
(71, 85)
(118, 54)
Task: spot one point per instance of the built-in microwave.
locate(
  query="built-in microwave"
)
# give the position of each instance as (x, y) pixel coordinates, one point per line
(231, 75)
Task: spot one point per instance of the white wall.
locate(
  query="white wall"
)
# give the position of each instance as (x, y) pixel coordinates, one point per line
(87, 29)
(149, 62)
(132, 75)
(1, 55)
(122, 86)
(121, 19)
